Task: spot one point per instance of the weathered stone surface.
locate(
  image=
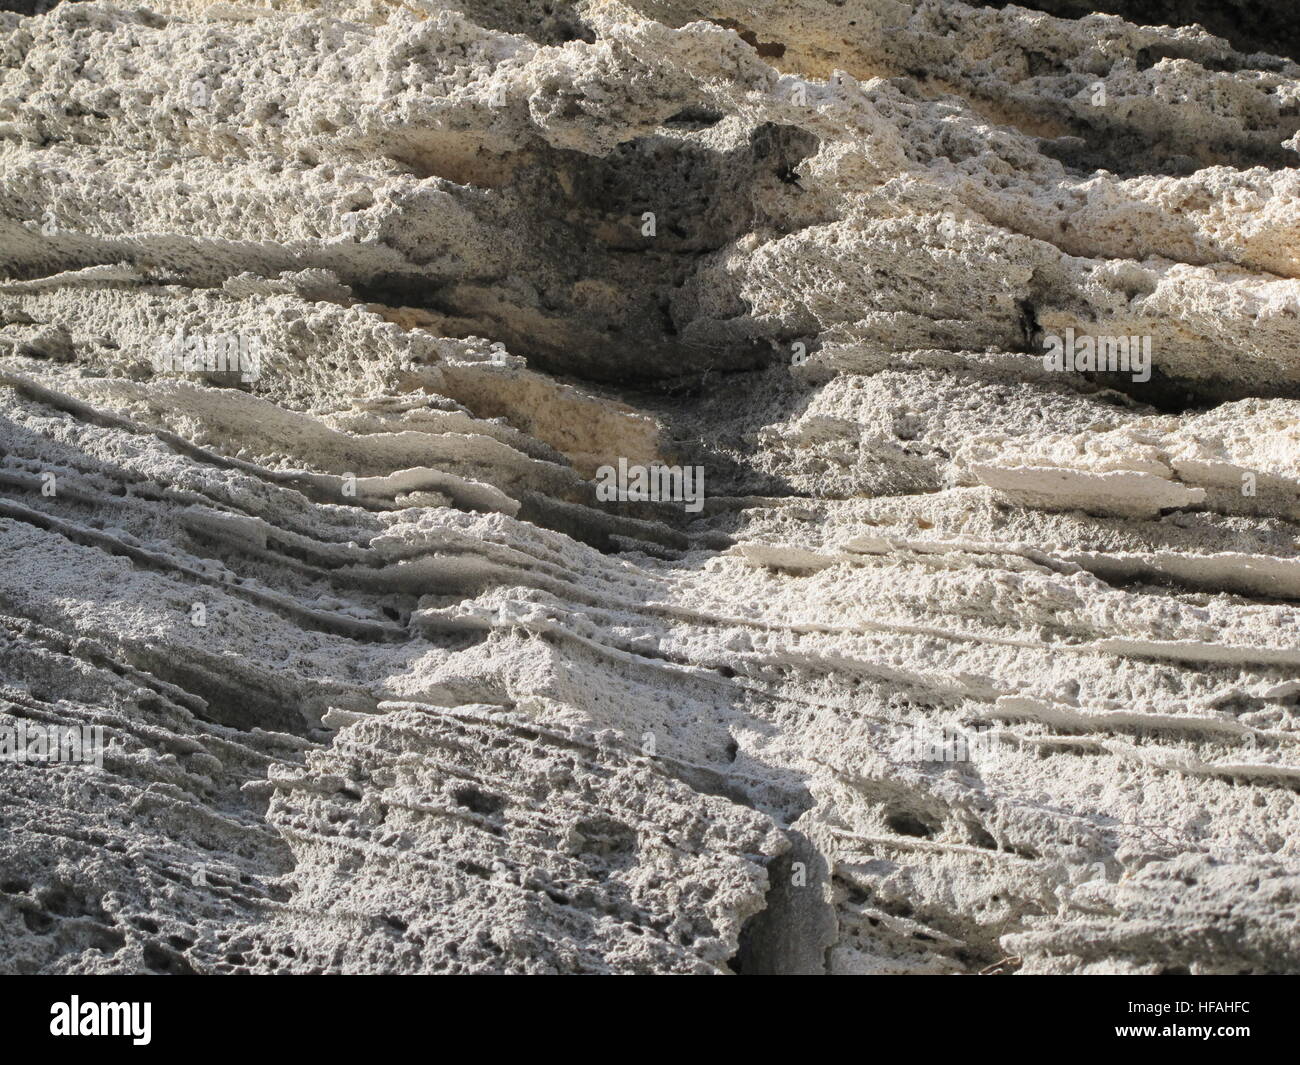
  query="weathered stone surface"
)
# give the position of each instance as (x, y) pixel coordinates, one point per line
(964, 662)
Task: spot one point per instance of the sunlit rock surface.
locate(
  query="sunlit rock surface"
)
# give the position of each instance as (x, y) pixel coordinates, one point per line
(964, 662)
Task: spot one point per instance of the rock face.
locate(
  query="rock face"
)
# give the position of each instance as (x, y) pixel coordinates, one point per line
(325, 329)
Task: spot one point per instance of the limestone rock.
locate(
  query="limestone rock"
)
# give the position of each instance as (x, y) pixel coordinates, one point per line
(323, 327)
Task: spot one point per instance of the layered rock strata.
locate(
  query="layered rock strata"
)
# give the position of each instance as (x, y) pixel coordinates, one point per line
(319, 323)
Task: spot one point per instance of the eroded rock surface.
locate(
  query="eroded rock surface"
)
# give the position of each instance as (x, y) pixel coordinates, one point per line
(963, 664)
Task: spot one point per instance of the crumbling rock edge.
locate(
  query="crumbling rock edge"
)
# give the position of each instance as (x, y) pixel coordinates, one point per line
(964, 663)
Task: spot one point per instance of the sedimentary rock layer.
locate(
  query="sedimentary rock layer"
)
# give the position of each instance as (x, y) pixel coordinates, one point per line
(323, 324)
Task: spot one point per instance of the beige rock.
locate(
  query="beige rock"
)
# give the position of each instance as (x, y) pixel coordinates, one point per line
(318, 325)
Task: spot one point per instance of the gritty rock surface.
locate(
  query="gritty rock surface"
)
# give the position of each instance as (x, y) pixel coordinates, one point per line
(965, 663)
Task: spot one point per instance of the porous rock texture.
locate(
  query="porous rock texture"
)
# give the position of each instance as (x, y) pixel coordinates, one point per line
(389, 688)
